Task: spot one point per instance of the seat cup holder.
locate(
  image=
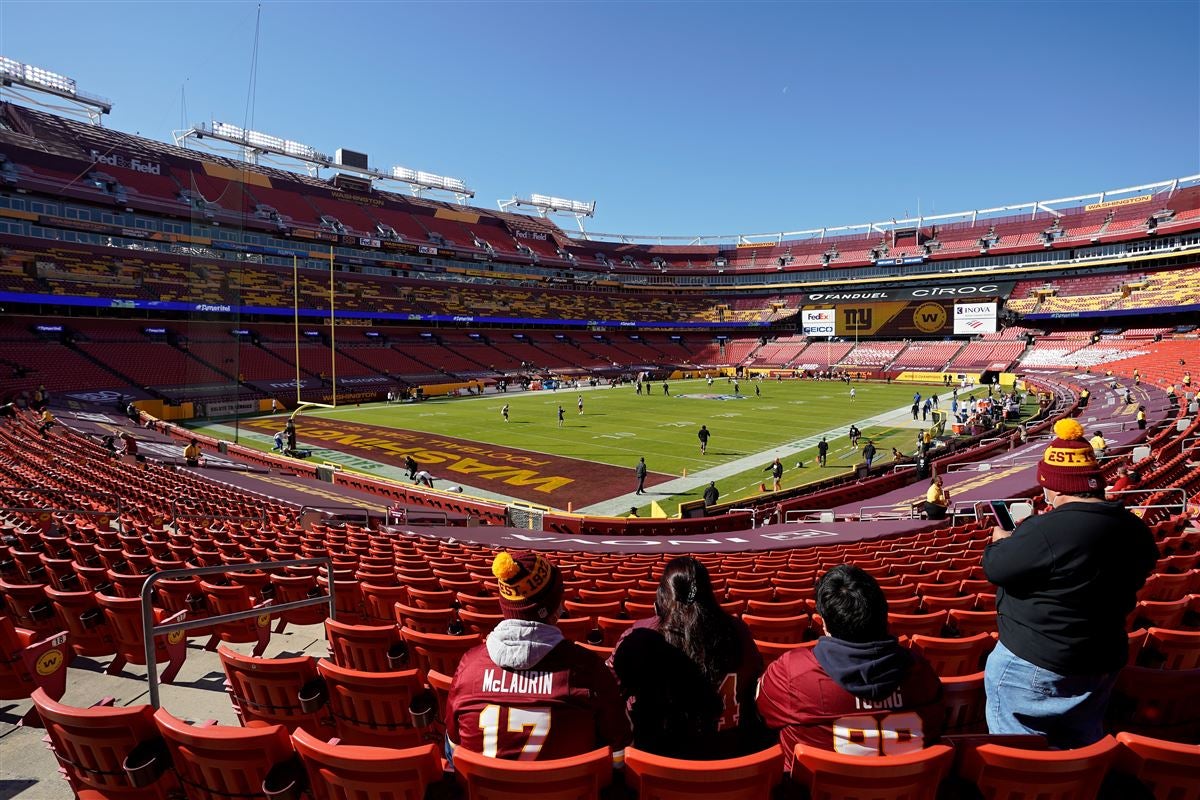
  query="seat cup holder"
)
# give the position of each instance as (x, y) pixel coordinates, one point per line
(423, 709)
(397, 656)
(285, 781)
(146, 763)
(312, 696)
(41, 612)
(92, 618)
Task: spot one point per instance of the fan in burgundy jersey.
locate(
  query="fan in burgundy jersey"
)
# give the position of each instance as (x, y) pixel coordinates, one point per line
(526, 693)
(858, 692)
(690, 673)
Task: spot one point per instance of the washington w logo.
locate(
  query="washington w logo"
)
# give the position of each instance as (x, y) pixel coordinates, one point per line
(929, 317)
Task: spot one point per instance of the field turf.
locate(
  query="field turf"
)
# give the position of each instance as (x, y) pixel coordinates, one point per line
(618, 426)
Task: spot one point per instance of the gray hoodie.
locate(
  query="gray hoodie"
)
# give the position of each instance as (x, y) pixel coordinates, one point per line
(519, 644)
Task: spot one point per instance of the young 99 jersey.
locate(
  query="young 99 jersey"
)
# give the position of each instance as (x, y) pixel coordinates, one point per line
(566, 705)
(808, 707)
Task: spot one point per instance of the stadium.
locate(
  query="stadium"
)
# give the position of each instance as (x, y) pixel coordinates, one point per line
(271, 415)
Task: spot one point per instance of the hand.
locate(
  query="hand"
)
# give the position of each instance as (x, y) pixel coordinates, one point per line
(999, 533)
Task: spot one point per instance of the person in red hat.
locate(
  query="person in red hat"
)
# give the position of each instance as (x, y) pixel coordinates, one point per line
(527, 693)
(1066, 581)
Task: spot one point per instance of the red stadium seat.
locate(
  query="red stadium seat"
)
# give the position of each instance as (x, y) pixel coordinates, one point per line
(379, 602)
(475, 622)
(1171, 649)
(911, 776)
(216, 762)
(917, 624)
(577, 778)
(424, 619)
(782, 630)
(954, 657)
(93, 747)
(438, 651)
(342, 771)
(85, 621)
(440, 683)
(1169, 770)
(965, 703)
(125, 619)
(371, 648)
(1008, 773)
(751, 777)
(1159, 703)
(372, 708)
(269, 689)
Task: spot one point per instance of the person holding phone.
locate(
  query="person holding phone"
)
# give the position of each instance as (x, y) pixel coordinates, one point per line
(1066, 580)
(937, 499)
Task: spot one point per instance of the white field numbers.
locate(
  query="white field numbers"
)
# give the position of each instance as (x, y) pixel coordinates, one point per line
(534, 720)
(890, 735)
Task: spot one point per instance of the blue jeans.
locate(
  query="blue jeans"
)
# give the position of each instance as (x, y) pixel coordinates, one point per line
(1025, 698)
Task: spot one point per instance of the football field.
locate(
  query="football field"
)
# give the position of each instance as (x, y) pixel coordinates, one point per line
(587, 461)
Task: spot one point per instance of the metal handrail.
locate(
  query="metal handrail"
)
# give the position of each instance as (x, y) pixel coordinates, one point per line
(798, 514)
(150, 630)
(752, 512)
(366, 512)
(1181, 505)
(890, 506)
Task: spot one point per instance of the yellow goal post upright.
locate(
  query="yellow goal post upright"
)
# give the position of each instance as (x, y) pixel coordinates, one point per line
(301, 404)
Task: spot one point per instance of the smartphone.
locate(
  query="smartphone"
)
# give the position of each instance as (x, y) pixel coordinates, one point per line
(1003, 518)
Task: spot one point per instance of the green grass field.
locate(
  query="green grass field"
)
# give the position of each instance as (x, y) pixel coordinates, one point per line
(618, 426)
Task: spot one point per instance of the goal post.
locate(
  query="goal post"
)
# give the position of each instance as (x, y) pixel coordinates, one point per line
(301, 403)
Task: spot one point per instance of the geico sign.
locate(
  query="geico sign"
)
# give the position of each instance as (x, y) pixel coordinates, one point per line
(969, 310)
(824, 328)
(938, 291)
(117, 160)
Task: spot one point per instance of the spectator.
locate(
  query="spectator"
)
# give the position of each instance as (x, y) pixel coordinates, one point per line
(937, 499)
(527, 693)
(690, 673)
(191, 453)
(859, 691)
(639, 472)
(822, 451)
(1141, 418)
(1066, 581)
(711, 494)
(1126, 480)
(1098, 444)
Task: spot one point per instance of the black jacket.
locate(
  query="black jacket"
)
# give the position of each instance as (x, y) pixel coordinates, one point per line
(1067, 579)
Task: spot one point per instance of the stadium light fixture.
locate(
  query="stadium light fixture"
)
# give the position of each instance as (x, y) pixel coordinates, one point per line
(546, 205)
(258, 142)
(421, 182)
(17, 73)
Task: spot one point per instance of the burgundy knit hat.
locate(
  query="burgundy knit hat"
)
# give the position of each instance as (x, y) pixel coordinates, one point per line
(531, 588)
(1069, 464)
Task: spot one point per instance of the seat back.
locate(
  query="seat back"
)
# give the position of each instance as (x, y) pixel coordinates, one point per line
(751, 777)
(29, 661)
(92, 744)
(1156, 702)
(1009, 773)
(1170, 770)
(1170, 649)
(216, 762)
(364, 647)
(910, 776)
(953, 657)
(438, 651)
(965, 702)
(342, 771)
(371, 708)
(85, 621)
(268, 689)
(576, 778)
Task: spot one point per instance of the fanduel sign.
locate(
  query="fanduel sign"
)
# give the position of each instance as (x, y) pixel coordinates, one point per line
(126, 162)
(966, 290)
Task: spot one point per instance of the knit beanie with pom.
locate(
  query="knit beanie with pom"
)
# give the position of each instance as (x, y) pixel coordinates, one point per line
(1069, 464)
(531, 588)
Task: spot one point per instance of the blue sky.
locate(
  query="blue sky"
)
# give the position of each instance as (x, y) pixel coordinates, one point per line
(677, 118)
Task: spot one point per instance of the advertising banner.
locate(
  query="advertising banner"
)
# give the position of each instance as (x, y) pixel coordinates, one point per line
(962, 291)
(818, 322)
(894, 319)
(971, 318)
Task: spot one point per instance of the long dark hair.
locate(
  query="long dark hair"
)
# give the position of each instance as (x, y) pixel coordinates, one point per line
(690, 618)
